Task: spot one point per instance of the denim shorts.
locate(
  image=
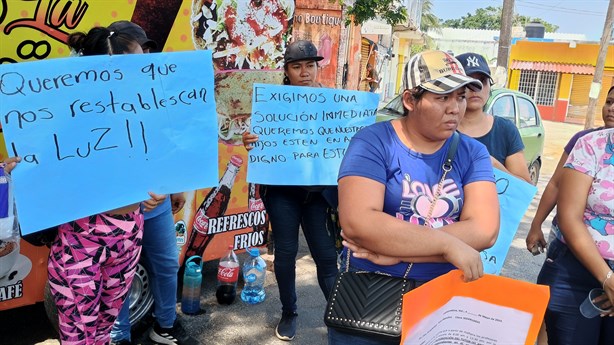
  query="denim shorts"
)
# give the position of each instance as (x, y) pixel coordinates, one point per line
(570, 283)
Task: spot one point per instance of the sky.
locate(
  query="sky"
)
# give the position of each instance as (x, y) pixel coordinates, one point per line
(572, 16)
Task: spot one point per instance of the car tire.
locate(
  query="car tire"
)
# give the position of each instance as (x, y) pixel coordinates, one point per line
(534, 172)
(141, 302)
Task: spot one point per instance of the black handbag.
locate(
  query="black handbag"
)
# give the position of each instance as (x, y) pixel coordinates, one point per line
(371, 303)
(368, 303)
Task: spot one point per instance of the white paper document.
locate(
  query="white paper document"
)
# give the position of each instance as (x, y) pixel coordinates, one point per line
(465, 321)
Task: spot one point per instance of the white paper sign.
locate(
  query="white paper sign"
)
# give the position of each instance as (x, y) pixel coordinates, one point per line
(467, 321)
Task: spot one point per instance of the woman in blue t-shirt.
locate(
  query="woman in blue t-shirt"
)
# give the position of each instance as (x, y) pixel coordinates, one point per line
(391, 191)
(499, 135)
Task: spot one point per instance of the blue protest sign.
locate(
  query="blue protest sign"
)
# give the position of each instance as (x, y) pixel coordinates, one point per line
(303, 132)
(97, 133)
(515, 196)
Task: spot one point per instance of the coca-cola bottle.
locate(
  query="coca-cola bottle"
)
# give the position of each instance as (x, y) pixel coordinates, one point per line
(261, 221)
(214, 205)
(255, 204)
(227, 276)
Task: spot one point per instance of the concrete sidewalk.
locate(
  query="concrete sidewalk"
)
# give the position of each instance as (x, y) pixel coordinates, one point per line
(243, 324)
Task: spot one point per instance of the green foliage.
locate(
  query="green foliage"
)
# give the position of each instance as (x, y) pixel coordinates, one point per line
(390, 11)
(417, 48)
(484, 18)
(489, 18)
(428, 21)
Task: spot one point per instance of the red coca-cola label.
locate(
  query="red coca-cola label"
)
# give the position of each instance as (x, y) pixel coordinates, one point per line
(201, 222)
(236, 160)
(256, 205)
(228, 272)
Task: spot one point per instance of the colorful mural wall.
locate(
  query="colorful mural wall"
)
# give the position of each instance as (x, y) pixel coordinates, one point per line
(248, 39)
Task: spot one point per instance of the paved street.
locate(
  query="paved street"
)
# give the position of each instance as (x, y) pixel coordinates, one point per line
(520, 264)
(241, 324)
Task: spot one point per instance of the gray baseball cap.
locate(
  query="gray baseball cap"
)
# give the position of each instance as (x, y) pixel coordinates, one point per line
(300, 51)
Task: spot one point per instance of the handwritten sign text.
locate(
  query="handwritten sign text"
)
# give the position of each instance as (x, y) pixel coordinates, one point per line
(96, 133)
(304, 132)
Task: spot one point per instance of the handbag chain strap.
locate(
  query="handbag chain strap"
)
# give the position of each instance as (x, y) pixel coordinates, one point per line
(429, 217)
(446, 167)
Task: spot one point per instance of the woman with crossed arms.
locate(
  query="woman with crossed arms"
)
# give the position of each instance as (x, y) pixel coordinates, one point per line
(397, 211)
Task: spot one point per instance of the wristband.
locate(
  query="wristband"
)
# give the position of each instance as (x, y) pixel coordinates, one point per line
(607, 276)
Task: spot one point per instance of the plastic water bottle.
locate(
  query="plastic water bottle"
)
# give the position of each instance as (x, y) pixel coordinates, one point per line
(254, 272)
(227, 276)
(192, 279)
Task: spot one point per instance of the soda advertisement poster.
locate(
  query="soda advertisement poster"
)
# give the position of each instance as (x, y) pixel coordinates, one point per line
(247, 40)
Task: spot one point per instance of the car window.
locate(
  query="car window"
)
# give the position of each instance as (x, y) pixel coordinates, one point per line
(526, 113)
(504, 107)
(396, 105)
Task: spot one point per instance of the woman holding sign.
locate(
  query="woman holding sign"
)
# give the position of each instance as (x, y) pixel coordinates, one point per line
(93, 259)
(394, 187)
(292, 206)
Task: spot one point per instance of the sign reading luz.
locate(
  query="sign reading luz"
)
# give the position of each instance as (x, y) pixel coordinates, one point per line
(97, 133)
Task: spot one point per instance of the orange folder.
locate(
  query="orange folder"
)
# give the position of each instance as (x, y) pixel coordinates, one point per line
(507, 292)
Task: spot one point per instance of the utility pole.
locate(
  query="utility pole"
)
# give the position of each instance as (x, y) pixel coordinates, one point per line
(603, 50)
(505, 39)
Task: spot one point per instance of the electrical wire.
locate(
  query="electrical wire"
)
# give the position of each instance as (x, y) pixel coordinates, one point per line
(541, 6)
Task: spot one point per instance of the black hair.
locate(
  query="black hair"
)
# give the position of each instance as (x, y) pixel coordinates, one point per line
(416, 93)
(100, 41)
(610, 90)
